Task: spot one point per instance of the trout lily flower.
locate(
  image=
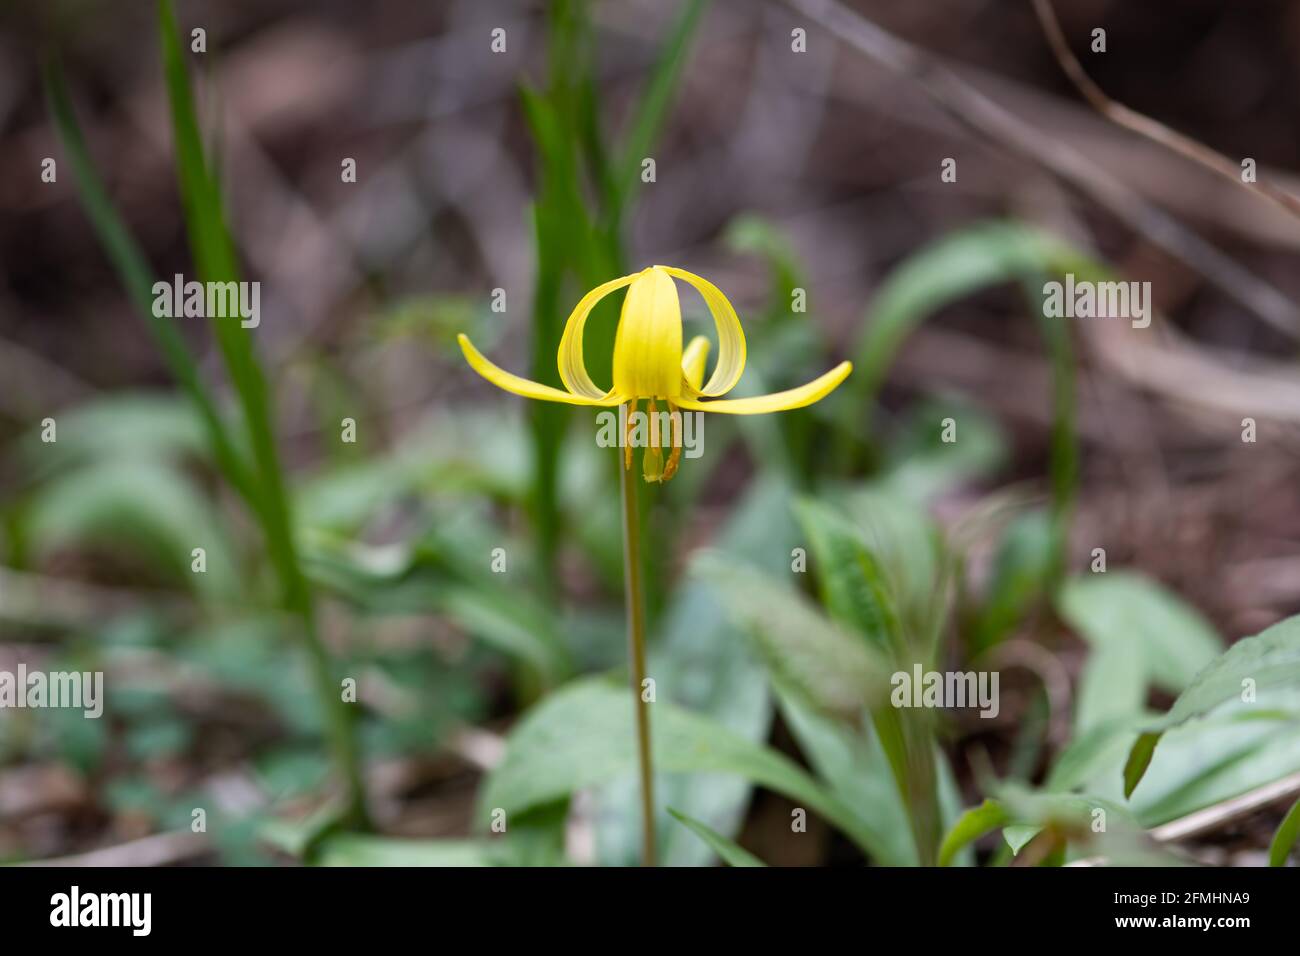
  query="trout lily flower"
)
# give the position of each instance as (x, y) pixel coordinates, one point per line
(650, 363)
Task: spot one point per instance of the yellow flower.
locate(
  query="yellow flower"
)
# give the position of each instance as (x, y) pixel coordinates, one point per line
(649, 361)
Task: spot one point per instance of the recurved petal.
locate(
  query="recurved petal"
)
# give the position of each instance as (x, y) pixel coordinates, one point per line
(522, 386)
(694, 360)
(814, 391)
(731, 337)
(573, 369)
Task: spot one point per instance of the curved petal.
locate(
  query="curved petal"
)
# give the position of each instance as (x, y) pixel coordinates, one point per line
(814, 391)
(694, 359)
(648, 343)
(731, 337)
(573, 370)
(522, 386)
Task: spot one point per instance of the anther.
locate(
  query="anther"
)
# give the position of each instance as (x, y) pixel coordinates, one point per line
(674, 459)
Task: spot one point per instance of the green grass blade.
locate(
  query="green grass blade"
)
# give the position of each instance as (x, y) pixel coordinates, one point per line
(973, 824)
(134, 271)
(729, 852)
(1285, 838)
(216, 261)
(655, 102)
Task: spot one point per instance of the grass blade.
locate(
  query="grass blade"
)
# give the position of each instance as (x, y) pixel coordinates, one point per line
(729, 852)
(1285, 838)
(216, 261)
(134, 271)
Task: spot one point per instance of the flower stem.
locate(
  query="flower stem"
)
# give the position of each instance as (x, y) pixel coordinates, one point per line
(635, 600)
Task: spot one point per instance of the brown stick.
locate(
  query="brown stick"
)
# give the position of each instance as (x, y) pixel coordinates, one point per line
(1144, 125)
(991, 121)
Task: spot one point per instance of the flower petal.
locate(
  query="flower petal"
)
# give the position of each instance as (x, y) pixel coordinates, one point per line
(731, 337)
(573, 369)
(522, 386)
(648, 344)
(694, 359)
(814, 391)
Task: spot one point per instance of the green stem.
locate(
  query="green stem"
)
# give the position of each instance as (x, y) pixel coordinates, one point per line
(339, 726)
(635, 600)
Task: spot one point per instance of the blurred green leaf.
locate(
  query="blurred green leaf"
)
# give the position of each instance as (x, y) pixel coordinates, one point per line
(828, 667)
(951, 268)
(729, 852)
(1021, 571)
(1284, 839)
(346, 849)
(1019, 835)
(1213, 760)
(140, 504)
(852, 763)
(908, 548)
(1265, 663)
(513, 624)
(1113, 686)
(582, 735)
(1123, 607)
(852, 584)
(166, 736)
(121, 425)
(973, 824)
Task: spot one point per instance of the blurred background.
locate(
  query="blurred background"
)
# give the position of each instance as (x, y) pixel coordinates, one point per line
(498, 177)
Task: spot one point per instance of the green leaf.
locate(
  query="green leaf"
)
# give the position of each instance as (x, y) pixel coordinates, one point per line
(727, 850)
(949, 269)
(1285, 838)
(145, 506)
(852, 583)
(121, 425)
(583, 735)
(907, 545)
(973, 824)
(1123, 607)
(852, 763)
(347, 849)
(828, 667)
(1021, 570)
(1268, 661)
(1018, 835)
(515, 625)
(1233, 751)
(1112, 687)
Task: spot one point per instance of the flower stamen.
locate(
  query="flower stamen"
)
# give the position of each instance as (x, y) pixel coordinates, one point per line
(627, 434)
(652, 461)
(675, 458)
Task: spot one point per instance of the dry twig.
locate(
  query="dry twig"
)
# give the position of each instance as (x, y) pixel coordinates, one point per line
(993, 122)
(1144, 125)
